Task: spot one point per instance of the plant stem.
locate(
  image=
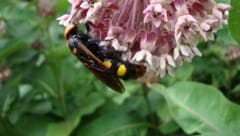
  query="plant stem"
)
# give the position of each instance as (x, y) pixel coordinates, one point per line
(154, 130)
(59, 82)
(149, 108)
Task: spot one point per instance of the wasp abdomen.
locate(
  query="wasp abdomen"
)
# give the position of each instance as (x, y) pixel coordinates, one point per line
(125, 70)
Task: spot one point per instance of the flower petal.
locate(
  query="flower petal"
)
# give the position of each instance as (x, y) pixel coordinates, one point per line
(149, 58)
(170, 71)
(139, 56)
(196, 51)
(170, 61)
(176, 53)
(162, 62)
(162, 73)
(184, 50)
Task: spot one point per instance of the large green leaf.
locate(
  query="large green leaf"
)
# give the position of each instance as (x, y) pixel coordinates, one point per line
(43, 125)
(181, 74)
(117, 122)
(14, 47)
(65, 128)
(234, 16)
(201, 108)
(28, 125)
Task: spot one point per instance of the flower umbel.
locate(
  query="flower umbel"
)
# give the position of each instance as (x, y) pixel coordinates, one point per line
(160, 34)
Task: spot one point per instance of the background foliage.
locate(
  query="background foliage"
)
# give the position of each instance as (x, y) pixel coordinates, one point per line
(45, 90)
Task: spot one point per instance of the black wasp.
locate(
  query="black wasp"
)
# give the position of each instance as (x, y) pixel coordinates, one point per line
(106, 64)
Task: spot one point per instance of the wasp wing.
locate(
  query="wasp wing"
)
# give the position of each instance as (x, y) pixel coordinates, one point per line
(95, 65)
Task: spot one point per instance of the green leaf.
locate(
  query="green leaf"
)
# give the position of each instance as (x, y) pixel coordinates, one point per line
(234, 16)
(31, 125)
(236, 90)
(114, 123)
(57, 53)
(201, 108)
(65, 128)
(181, 74)
(23, 55)
(223, 37)
(131, 88)
(167, 124)
(62, 6)
(11, 49)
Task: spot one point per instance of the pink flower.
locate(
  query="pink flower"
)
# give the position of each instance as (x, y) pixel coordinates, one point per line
(186, 31)
(64, 19)
(220, 11)
(185, 27)
(155, 13)
(160, 34)
(209, 27)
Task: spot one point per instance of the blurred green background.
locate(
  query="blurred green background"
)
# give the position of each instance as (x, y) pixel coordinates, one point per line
(46, 91)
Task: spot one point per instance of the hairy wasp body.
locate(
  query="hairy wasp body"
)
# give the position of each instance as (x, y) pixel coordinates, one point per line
(106, 64)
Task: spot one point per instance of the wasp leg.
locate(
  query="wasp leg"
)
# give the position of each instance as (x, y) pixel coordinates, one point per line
(88, 25)
(93, 41)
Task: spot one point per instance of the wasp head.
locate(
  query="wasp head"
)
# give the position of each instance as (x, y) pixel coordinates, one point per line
(72, 30)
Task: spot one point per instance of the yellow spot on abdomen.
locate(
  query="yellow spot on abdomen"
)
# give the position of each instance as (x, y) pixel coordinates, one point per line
(107, 64)
(74, 50)
(122, 70)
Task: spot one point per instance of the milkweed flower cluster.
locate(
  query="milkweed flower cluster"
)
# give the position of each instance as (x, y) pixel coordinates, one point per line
(161, 34)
